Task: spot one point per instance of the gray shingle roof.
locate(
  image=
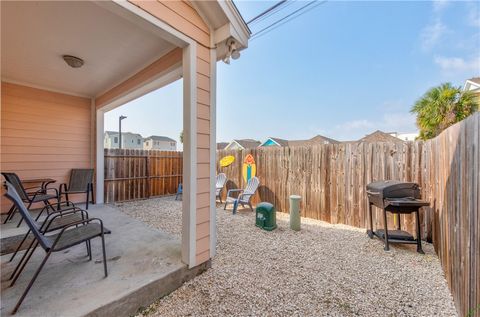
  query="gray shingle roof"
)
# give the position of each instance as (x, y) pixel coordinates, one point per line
(221, 145)
(476, 80)
(318, 139)
(123, 133)
(160, 138)
(248, 143)
(379, 136)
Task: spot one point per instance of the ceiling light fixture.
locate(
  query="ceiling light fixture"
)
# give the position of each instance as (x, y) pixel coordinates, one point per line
(73, 61)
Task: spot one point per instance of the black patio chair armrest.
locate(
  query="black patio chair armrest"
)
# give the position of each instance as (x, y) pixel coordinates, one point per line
(45, 190)
(66, 203)
(49, 222)
(234, 191)
(64, 185)
(60, 211)
(74, 224)
(48, 206)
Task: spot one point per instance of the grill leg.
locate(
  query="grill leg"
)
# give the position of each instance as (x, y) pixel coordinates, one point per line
(386, 248)
(419, 235)
(370, 232)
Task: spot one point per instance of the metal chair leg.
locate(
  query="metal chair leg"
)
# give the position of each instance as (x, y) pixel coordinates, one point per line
(104, 255)
(88, 198)
(19, 246)
(24, 264)
(91, 191)
(31, 282)
(89, 249)
(9, 214)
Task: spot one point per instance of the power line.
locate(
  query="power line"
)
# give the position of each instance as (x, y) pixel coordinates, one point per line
(266, 11)
(272, 12)
(276, 24)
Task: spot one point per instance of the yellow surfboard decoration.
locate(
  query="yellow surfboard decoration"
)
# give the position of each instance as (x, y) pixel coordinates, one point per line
(227, 160)
(249, 168)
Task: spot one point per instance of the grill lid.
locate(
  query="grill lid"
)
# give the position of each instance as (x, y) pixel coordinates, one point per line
(379, 191)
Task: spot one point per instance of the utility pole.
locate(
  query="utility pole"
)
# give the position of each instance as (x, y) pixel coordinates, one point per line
(120, 131)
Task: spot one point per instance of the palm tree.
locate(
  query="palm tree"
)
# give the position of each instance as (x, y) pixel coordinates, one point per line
(442, 106)
(181, 137)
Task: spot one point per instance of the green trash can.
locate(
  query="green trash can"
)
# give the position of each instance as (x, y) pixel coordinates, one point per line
(265, 216)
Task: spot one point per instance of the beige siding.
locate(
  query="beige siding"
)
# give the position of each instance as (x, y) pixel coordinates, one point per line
(43, 133)
(167, 61)
(183, 17)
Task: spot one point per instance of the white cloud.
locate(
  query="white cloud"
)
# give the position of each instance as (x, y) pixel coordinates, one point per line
(387, 122)
(432, 34)
(458, 64)
(474, 15)
(440, 5)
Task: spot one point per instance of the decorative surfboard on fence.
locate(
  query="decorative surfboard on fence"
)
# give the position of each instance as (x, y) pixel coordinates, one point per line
(227, 160)
(249, 167)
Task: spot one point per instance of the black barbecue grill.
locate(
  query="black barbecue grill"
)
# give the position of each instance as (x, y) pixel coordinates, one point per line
(398, 198)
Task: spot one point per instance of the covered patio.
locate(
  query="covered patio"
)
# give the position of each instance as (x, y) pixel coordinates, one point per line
(144, 264)
(52, 119)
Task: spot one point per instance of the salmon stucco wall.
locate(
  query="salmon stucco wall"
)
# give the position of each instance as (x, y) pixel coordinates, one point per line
(43, 134)
(183, 17)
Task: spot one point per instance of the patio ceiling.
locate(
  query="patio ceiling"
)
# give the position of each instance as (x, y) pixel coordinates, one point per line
(35, 35)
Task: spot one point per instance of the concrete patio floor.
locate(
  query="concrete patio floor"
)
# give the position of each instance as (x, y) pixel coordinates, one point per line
(144, 264)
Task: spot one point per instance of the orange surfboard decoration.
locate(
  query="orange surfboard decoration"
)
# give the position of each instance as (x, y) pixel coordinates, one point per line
(249, 167)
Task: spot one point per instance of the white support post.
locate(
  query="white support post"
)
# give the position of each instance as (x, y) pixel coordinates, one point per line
(189, 206)
(100, 157)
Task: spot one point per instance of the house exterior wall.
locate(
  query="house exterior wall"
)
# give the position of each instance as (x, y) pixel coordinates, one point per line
(43, 133)
(129, 141)
(150, 144)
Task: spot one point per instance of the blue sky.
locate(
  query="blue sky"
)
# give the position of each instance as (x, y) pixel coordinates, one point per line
(343, 69)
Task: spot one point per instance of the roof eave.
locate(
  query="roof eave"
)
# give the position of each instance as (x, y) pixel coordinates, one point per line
(232, 24)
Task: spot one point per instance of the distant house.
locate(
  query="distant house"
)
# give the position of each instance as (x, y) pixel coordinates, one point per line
(379, 136)
(405, 136)
(129, 140)
(319, 139)
(242, 144)
(221, 145)
(473, 85)
(156, 142)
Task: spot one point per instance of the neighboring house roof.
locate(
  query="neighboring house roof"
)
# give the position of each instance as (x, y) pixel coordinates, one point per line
(472, 84)
(221, 145)
(318, 139)
(123, 133)
(245, 143)
(379, 136)
(160, 138)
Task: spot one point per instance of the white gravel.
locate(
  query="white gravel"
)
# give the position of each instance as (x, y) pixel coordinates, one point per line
(323, 270)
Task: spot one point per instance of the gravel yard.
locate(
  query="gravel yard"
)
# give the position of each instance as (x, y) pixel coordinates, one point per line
(323, 270)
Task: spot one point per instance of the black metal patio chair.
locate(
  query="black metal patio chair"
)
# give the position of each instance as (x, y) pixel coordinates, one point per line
(80, 182)
(29, 198)
(68, 213)
(73, 234)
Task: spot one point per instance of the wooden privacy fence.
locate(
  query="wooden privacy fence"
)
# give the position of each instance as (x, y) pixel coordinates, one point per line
(331, 180)
(137, 174)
